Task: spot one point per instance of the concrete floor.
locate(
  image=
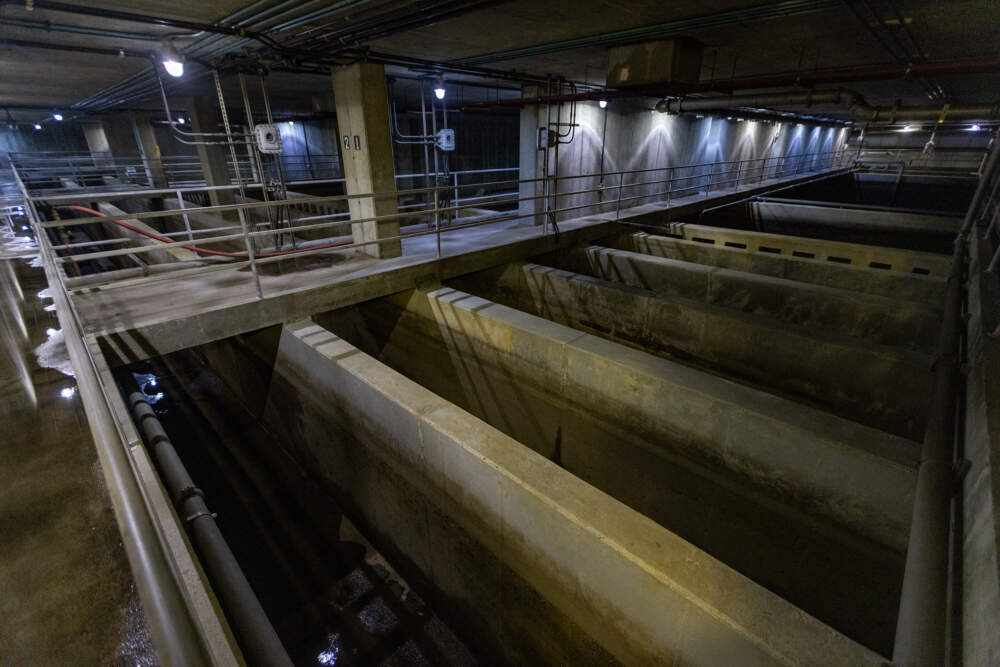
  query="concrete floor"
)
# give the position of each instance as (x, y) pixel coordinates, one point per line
(66, 594)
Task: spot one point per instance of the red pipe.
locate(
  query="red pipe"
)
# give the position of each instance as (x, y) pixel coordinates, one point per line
(243, 255)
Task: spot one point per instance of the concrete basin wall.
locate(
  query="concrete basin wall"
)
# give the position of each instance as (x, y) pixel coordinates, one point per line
(924, 289)
(880, 386)
(536, 565)
(812, 506)
(874, 318)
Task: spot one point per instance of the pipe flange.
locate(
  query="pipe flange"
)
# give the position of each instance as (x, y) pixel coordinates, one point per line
(198, 515)
(186, 494)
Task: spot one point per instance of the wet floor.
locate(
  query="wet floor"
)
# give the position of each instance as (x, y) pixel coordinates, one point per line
(66, 594)
(332, 599)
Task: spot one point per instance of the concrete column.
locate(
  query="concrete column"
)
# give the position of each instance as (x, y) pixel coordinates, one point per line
(204, 116)
(531, 159)
(149, 149)
(97, 140)
(366, 144)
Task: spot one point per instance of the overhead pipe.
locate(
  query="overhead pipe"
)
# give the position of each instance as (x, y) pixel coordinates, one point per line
(256, 635)
(852, 100)
(922, 620)
(850, 75)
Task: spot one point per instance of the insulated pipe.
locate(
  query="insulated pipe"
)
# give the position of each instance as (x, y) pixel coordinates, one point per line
(256, 635)
(923, 605)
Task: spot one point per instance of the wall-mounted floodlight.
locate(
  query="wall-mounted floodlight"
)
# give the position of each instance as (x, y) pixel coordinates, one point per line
(57, 116)
(603, 104)
(439, 87)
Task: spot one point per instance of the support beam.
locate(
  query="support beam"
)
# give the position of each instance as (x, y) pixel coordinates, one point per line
(877, 319)
(892, 259)
(872, 384)
(366, 147)
(149, 150)
(724, 254)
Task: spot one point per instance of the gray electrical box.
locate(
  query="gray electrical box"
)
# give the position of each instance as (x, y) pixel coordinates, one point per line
(445, 140)
(268, 138)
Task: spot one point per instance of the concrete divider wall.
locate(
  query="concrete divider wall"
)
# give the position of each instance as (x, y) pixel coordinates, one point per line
(873, 384)
(539, 566)
(835, 252)
(875, 318)
(781, 492)
(896, 284)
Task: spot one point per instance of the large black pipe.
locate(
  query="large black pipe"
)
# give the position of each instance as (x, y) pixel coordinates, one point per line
(254, 632)
(923, 605)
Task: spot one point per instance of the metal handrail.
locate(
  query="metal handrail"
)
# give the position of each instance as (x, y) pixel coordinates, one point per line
(678, 183)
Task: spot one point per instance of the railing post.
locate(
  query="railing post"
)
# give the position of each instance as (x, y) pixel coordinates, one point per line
(437, 221)
(618, 206)
(455, 200)
(670, 185)
(187, 222)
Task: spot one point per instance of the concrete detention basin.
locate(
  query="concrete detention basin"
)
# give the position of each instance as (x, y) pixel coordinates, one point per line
(809, 505)
(876, 385)
(536, 566)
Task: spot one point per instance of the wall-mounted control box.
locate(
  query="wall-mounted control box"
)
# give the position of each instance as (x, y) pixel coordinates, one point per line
(445, 139)
(268, 138)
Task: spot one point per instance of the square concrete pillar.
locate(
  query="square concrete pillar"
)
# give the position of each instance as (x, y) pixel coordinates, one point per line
(149, 150)
(97, 140)
(366, 146)
(531, 161)
(204, 117)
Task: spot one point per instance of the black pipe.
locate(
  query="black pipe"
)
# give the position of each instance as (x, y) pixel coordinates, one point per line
(254, 632)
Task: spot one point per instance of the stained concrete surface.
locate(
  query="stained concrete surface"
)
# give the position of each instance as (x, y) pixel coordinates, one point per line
(66, 594)
(547, 569)
(503, 366)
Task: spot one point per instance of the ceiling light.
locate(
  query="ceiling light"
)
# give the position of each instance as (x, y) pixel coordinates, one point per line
(175, 68)
(699, 116)
(180, 120)
(910, 128)
(38, 126)
(603, 104)
(57, 116)
(67, 392)
(974, 128)
(439, 87)
(739, 120)
(291, 123)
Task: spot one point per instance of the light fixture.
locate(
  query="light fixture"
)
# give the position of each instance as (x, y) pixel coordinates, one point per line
(67, 392)
(171, 60)
(180, 120)
(739, 120)
(603, 104)
(699, 116)
(974, 128)
(291, 123)
(175, 68)
(57, 116)
(439, 87)
(38, 126)
(910, 128)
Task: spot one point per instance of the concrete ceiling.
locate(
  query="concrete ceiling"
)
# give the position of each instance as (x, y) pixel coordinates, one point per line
(830, 37)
